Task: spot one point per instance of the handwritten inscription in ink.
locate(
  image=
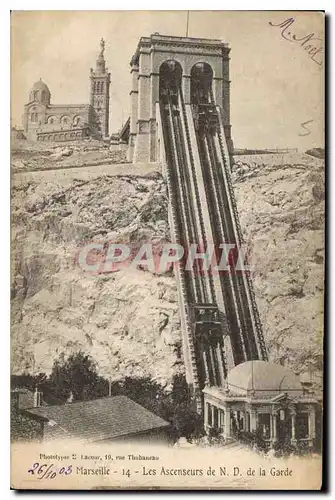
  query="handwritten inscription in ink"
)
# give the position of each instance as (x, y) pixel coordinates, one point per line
(309, 42)
(306, 129)
(43, 471)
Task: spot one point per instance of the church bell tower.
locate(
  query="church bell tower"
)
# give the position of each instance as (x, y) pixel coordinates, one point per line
(99, 97)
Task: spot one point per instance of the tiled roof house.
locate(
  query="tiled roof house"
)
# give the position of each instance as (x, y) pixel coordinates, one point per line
(104, 419)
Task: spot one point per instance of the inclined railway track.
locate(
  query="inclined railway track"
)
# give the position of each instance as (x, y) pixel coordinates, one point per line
(203, 208)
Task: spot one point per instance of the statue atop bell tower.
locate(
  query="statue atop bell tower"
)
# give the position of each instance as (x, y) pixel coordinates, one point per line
(99, 95)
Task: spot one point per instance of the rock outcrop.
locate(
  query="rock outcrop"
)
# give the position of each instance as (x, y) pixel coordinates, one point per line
(281, 206)
(128, 320)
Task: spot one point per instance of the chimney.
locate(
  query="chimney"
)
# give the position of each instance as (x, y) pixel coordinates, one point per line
(37, 398)
(70, 398)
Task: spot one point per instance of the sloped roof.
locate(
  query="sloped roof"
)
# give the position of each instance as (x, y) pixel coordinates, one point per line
(98, 419)
(21, 390)
(262, 377)
(125, 129)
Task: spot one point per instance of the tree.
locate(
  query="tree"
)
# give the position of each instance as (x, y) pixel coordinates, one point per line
(142, 390)
(76, 375)
(180, 410)
(186, 422)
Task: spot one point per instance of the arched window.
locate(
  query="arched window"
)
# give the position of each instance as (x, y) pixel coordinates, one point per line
(170, 76)
(201, 83)
(76, 120)
(65, 120)
(102, 86)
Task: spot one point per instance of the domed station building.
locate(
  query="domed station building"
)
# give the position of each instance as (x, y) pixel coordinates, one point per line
(263, 395)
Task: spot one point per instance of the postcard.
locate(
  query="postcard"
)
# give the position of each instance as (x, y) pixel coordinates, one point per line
(167, 264)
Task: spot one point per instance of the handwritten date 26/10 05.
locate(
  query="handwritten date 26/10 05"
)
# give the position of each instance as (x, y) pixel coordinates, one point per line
(43, 471)
(310, 43)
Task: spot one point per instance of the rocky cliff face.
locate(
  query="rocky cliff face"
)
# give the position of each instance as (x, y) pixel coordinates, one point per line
(281, 206)
(128, 320)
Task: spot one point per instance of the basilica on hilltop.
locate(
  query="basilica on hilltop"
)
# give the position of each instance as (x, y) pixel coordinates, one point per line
(44, 121)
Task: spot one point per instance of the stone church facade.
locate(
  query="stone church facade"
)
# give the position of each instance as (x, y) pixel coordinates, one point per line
(44, 121)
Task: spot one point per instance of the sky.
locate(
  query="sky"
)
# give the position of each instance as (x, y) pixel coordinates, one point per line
(276, 87)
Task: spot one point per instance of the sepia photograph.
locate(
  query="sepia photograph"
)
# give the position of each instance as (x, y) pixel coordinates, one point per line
(167, 250)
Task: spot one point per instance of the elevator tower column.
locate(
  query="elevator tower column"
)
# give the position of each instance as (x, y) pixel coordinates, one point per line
(180, 107)
(145, 65)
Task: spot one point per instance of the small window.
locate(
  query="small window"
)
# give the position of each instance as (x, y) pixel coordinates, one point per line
(302, 425)
(65, 120)
(221, 420)
(216, 418)
(264, 423)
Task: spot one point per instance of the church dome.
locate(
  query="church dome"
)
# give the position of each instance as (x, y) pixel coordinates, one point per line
(262, 378)
(40, 92)
(40, 85)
